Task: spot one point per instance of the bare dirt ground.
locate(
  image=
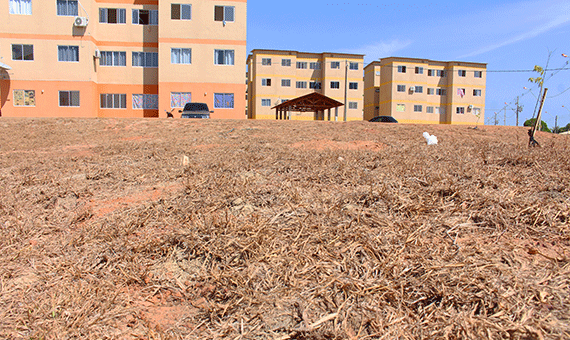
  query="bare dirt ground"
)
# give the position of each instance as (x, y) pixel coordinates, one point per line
(203, 229)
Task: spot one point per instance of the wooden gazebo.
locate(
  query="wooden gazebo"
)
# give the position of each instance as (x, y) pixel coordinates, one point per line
(312, 102)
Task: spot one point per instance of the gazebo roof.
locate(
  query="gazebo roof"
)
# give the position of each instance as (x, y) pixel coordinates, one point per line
(309, 102)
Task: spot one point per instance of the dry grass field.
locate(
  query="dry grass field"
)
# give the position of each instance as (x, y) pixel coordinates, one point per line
(205, 229)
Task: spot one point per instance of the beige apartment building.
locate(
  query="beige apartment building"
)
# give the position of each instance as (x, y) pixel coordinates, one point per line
(275, 76)
(423, 91)
(122, 58)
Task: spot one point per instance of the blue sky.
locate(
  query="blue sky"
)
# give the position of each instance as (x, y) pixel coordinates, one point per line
(506, 35)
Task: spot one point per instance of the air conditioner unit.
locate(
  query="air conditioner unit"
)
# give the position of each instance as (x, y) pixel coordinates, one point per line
(80, 22)
(412, 89)
(470, 107)
(97, 54)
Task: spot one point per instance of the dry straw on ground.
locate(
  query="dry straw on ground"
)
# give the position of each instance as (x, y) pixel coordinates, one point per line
(184, 229)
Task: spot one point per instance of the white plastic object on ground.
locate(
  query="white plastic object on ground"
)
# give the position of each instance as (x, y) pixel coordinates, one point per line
(431, 139)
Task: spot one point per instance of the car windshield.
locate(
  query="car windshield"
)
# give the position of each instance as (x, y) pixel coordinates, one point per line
(196, 107)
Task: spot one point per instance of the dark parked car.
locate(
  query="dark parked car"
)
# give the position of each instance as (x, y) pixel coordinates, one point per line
(383, 119)
(195, 110)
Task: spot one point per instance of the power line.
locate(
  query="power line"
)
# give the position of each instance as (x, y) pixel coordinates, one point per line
(487, 71)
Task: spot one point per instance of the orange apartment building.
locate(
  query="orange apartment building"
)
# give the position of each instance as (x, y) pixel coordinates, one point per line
(423, 91)
(122, 58)
(275, 76)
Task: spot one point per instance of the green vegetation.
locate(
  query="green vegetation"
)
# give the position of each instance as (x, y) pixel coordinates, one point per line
(531, 122)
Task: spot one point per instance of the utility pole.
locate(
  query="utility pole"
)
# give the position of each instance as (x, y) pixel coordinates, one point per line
(519, 110)
(556, 125)
(496, 122)
(345, 86)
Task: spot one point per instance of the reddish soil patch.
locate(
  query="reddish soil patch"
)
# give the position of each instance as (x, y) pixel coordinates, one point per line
(338, 145)
(105, 207)
(136, 138)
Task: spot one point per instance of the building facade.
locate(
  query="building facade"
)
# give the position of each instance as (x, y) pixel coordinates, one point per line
(423, 91)
(275, 76)
(122, 58)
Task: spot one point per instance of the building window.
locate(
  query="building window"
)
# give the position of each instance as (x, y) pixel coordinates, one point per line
(69, 98)
(401, 88)
(429, 109)
(286, 82)
(301, 65)
(145, 59)
(113, 58)
(22, 52)
(301, 84)
(181, 56)
(68, 53)
(461, 73)
(440, 110)
(266, 102)
(315, 85)
(461, 92)
(419, 89)
(400, 107)
(180, 12)
(460, 110)
(353, 105)
(430, 91)
(431, 73)
(401, 69)
(266, 61)
(441, 73)
(476, 111)
(418, 108)
(335, 85)
(478, 74)
(112, 15)
(265, 82)
(224, 13)
(286, 62)
(113, 101)
(335, 64)
(440, 92)
(179, 99)
(223, 57)
(24, 98)
(353, 86)
(145, 17)
(315, 66)
(223, 100)
(476, 93)
(23, 7)
(145, 101)
(67, 7)
(419, 70)
(353, 66)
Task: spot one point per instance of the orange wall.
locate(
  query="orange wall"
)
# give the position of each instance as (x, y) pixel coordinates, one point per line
(204, 93)
(47, 99)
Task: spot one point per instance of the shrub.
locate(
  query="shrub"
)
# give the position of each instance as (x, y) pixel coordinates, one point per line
(531, 122)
